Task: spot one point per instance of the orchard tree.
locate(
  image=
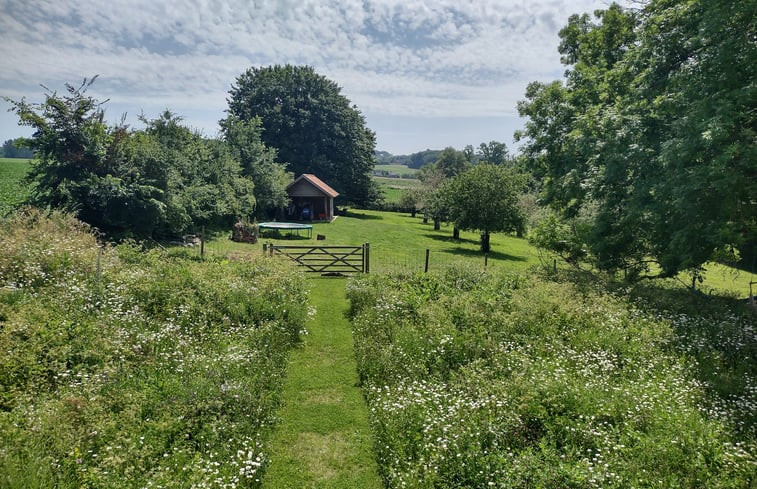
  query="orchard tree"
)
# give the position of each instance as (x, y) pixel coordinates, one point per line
(485, 199)
(451, 162)
(312, 126)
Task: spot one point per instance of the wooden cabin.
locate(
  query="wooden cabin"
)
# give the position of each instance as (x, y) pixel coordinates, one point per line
(311, 199)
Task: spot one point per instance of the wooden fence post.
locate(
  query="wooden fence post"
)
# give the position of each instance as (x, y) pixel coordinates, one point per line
(202, 242)
(486, 259)
(425, 270)
(367, 255)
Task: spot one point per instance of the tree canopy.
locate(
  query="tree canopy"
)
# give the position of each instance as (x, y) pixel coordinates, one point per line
(651, 135)
(313, 127)
(162, 180)
(484, 198)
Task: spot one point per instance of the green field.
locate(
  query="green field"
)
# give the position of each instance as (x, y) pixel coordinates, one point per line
(400, 170)
(399, 243)
(393, 187)
(12, 190)
(548, 380)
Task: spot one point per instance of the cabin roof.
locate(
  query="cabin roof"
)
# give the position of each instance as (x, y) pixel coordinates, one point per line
(315, 182)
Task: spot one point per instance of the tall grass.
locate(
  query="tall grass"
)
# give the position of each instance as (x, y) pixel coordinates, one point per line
(129, 369)
(479, 379)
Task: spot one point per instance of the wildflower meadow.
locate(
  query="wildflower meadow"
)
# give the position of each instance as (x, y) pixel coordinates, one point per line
(124, 368)
(478, 379)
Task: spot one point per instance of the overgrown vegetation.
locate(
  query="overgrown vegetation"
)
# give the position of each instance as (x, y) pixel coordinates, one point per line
(122, 368)
(650, 137)
(499, 380)
(161, 181)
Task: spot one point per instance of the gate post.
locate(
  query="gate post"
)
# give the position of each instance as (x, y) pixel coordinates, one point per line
(367, 257)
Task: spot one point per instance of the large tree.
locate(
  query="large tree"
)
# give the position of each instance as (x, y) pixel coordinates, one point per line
(484, 198)
(652, 133)
(313, 127)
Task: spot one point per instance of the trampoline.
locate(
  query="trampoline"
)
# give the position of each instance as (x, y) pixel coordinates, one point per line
(292, 227)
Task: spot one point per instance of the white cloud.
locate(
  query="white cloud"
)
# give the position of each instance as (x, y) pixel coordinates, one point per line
(441, 58)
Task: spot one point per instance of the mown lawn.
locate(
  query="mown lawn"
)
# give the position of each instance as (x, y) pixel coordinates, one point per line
(399, 242)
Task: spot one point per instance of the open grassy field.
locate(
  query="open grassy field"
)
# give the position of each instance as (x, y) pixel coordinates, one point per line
(393, 187)
(399, 243)
(12, 191)
(397, 169)
(513, 380)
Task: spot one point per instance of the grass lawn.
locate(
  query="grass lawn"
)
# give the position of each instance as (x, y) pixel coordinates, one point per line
(323, 440)
(12, 191)
(399, 243)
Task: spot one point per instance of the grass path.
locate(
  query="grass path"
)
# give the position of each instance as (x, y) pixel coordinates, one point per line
(323, 438)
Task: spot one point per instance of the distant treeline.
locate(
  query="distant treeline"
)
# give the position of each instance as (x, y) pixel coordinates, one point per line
(11, 149)
(415, 160)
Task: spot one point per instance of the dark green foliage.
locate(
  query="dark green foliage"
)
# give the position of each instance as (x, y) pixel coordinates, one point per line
(160, 181)
(312, 126)
(258, 164)
(654, 130)
(493, 152)
(451, 162)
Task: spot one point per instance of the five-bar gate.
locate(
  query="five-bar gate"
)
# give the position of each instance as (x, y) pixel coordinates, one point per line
(326, 259)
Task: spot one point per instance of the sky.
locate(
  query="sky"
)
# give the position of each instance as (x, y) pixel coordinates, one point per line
(425, 74)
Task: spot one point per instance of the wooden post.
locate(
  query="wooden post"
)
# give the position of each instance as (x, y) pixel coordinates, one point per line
(425, 270)
(265, 248)
(367, 257)
(99, 266)
(486, 259)
(554, 265)
(202, 242)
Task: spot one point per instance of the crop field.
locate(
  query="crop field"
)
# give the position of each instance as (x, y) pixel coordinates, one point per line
(478, 379)
(12, 191)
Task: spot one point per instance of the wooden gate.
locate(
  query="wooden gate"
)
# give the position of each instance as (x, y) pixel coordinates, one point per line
(326, 259)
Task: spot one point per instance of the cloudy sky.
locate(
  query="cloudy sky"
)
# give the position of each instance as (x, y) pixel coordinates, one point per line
(425, 73)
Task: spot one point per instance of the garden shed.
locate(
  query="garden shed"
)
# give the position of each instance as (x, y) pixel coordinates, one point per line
(311, 199)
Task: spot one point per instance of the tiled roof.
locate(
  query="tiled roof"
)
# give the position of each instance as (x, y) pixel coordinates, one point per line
(316, 182)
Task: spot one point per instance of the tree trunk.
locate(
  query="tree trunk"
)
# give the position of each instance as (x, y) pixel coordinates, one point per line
(485, 241)
(425, 220)
(437, 224)
(412, 213)
(455, 233)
